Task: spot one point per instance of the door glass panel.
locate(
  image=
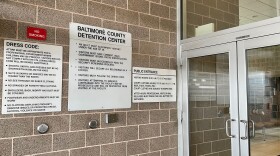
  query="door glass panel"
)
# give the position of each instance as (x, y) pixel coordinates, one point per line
(209, 105)
(263, 76)
(208, 16)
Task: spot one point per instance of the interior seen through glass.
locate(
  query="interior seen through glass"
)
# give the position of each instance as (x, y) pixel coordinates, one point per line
(264, 100)
(209, 105)
(203, 17)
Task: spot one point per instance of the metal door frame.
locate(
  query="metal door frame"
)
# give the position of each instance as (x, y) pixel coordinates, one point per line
(242, 46)
(229, 48)
(238, 34)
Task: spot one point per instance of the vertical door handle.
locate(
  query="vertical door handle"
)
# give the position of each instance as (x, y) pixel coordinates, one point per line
(246, 129)
(227, 128)
(253, 127)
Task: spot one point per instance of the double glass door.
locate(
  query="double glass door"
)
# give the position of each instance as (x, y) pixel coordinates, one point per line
(233, 98)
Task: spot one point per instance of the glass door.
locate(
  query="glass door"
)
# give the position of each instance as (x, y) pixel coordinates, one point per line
(210, 91)
(259, 95)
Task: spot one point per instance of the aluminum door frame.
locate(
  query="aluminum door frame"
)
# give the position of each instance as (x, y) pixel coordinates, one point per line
(217, 49)
(242, 46)
(237, 34)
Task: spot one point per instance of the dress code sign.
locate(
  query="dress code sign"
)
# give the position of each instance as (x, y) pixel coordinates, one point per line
(99, 68)
(32, 77)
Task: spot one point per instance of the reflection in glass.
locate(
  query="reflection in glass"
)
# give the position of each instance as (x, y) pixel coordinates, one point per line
(224, 14)
(251, 11)
(264, 100)
(209, 105)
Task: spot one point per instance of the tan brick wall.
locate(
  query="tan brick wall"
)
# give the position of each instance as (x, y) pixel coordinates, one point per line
(223, 13)
(148, 129)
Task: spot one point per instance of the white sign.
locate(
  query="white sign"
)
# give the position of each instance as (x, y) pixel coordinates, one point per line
(99, 68)
(32, 77)
(154, 85)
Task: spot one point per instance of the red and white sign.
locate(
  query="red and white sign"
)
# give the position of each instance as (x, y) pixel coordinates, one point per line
(36, 33)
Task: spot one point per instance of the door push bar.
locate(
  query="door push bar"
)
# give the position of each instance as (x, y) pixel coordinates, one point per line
(227, 128)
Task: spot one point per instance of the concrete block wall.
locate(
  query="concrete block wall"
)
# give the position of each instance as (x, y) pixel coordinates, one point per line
(147, 129)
